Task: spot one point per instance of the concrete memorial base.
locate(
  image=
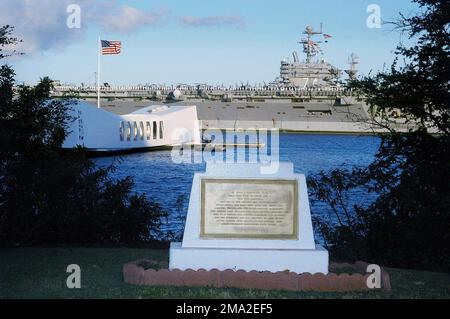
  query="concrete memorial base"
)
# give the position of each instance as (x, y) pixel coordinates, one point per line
(242, 219)
(298, 261)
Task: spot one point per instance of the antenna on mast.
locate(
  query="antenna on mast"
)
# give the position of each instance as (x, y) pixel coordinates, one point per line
(310, 47)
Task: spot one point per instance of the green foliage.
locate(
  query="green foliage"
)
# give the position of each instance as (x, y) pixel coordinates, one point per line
(344, 229)
(148, 264)
(50, 197)
(420, 88)
(408, 224)
(7, 40)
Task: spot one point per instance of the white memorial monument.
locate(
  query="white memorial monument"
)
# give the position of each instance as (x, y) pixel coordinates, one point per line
(241, 219)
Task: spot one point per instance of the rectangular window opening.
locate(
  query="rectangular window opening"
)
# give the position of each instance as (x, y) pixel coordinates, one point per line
(129, 131)
(161, 129)
(149, 130)
(135, 131)
(155, 130)
(122, 131)
(142, 131)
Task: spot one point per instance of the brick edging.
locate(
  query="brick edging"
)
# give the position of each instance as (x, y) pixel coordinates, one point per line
(286, 281)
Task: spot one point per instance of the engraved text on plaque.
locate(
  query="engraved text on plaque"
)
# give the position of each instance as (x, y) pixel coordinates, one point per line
(249, 209)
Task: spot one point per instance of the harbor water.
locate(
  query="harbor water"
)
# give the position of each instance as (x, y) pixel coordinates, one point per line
(165, 182)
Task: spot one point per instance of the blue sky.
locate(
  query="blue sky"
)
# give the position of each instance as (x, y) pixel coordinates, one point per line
(192, 41)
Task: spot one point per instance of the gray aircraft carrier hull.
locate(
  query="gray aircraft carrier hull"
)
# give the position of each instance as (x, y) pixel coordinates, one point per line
(317, 117)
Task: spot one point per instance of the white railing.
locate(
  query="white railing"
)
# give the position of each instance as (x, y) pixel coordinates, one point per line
(250, 91)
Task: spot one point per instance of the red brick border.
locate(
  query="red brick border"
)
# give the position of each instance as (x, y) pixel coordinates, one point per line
(286, 281)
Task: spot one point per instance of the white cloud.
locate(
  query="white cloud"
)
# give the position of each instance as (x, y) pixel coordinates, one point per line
(41, 24)
(112, 17)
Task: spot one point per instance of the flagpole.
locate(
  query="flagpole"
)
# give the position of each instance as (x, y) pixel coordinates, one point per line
(98, 71)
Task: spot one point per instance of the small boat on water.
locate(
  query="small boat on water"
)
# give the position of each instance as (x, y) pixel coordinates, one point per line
(152, 127)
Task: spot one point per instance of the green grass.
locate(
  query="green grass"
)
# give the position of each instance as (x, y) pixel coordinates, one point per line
(41, 273)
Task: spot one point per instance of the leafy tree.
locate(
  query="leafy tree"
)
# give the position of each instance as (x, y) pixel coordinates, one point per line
(48, 197)
(408, 224)
(7, 40)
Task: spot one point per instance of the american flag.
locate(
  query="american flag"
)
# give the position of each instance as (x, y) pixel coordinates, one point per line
(111, 47)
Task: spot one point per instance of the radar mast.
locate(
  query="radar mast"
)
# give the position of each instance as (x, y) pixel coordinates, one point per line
(311, 47)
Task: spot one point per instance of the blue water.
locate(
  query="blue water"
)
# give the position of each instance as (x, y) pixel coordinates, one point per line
(156, 176)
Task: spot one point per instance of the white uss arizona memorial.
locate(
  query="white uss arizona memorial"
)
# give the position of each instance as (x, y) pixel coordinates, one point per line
(151, 127)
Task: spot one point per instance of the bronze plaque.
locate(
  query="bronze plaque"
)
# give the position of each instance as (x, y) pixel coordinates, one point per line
(249, 209)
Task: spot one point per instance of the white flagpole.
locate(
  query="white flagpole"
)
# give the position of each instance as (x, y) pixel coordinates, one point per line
(98, 71)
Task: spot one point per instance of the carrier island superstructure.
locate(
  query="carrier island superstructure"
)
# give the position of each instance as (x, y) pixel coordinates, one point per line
(307, 96)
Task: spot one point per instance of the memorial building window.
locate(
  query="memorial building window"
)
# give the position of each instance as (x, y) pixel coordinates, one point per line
(161, 129)
(149, 130)
(155, 130)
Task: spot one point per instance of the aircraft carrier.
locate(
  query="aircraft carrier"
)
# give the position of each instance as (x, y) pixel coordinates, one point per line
(307, 96)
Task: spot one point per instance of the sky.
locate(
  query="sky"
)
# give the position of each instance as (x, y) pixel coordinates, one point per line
(192, 41)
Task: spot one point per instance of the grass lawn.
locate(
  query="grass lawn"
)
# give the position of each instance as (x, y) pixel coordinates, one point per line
(41, 273)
